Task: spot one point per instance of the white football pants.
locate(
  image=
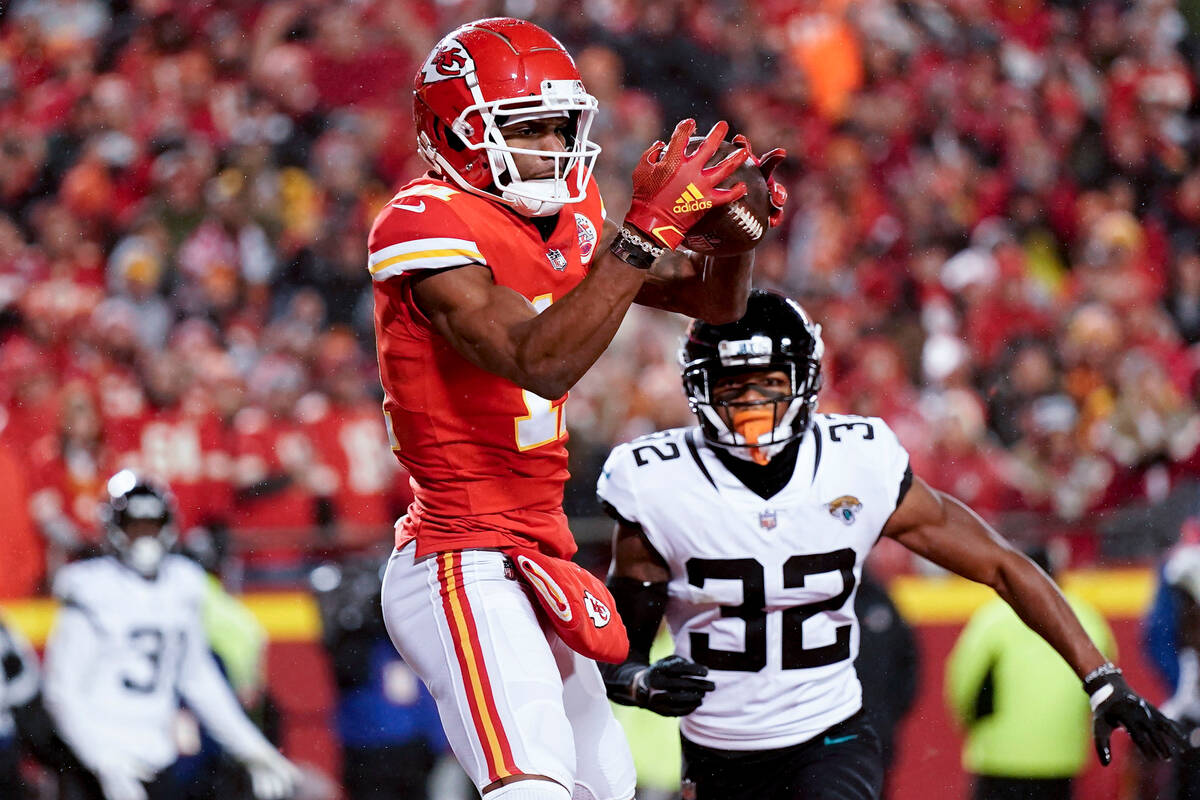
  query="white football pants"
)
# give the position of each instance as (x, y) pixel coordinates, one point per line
(513, 699)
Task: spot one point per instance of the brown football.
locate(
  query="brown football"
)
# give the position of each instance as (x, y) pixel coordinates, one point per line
(738, 226)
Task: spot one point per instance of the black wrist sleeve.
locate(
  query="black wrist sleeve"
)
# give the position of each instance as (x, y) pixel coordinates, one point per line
(641, 605)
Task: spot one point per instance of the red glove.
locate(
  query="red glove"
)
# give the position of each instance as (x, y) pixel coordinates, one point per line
(660, 209)
(766, 164)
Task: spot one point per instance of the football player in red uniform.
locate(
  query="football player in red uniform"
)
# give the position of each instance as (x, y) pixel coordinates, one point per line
(494, 293)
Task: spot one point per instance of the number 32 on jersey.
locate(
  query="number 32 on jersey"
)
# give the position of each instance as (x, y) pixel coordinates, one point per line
(545, 420)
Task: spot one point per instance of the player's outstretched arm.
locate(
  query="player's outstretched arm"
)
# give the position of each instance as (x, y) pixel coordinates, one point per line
(942, 529)
(496, 329)
(209, 695)
(671, 686)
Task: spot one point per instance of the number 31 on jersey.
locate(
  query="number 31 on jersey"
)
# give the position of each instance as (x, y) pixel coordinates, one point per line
(546, 420)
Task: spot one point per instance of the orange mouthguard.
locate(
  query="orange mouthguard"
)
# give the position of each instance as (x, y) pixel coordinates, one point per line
(751, 424)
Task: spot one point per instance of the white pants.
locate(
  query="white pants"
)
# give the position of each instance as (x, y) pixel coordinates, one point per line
(513, 699)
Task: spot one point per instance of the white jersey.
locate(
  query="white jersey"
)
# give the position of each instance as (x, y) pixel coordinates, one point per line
(762, 591)
(122, 653)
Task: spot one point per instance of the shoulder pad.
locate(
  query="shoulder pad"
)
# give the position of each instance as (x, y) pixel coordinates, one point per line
(422, 228)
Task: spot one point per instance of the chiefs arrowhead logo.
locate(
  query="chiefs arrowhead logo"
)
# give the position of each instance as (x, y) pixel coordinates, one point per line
(596, 610)
(448, 60)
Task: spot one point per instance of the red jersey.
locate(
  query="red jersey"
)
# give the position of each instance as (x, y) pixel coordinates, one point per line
(487, 458)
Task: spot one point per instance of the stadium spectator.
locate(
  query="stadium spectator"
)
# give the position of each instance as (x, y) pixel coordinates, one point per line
(1027, 727)
(168, 160)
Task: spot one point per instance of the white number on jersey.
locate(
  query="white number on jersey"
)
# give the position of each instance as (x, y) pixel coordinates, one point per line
(545, 422)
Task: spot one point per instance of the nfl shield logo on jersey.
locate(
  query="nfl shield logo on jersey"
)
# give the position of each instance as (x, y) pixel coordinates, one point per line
(557, 259)
(766, 520)
(845, 508)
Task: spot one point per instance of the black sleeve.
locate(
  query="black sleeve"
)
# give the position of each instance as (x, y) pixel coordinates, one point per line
(641, 605)
(905, 485)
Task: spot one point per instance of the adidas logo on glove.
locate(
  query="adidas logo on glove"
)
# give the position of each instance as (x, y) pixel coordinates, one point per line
(692, 199)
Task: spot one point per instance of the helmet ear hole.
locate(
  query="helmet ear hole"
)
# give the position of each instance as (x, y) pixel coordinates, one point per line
(452, 139)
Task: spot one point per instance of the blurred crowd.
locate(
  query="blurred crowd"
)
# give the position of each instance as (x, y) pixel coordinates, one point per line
(994, 216)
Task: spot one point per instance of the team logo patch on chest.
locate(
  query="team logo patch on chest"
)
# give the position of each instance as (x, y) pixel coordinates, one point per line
(845, 508)
(556, 259)
(767, 520)
(587, 237)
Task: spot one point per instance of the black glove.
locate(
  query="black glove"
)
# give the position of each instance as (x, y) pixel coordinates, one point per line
(1116, 705)
(671, 686)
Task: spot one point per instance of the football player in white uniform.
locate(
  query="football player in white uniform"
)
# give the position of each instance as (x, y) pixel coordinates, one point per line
(127, 645)
(749, 533)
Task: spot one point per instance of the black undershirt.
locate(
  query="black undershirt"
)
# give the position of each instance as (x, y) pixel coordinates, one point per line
(545, 225)
(765, 480)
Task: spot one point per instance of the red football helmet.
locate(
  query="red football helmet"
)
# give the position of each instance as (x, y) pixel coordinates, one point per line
(493, 72)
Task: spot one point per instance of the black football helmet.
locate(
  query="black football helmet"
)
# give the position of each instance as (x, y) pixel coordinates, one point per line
(774, 334)
(133, 499)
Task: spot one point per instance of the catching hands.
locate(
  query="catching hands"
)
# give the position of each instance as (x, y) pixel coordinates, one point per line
(665, 171)
(272, 776)
(766, 164)
(671, 686)
(1116, 705)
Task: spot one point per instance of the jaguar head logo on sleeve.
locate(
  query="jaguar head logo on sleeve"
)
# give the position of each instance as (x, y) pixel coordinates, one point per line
(845, 508)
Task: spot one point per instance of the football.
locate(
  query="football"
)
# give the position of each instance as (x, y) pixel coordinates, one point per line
(739, 226)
